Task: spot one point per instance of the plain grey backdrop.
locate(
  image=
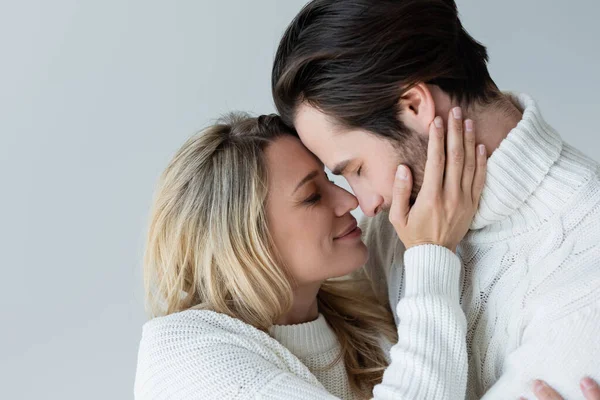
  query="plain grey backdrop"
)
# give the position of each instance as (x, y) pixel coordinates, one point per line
(95, 96)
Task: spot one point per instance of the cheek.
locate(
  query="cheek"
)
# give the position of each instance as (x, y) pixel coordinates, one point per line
(313, 227)
(387, 182)
(384, 178)
(309, 252)
(304, 241)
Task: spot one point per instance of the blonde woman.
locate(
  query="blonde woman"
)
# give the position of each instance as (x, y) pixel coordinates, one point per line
(247, 240)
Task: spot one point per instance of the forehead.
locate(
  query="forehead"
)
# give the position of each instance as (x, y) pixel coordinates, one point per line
(327, 139)
(288, 161)
(320, 134)
(312, 124)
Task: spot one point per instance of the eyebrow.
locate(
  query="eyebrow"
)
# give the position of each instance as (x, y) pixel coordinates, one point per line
(306, 179)
(340, 168)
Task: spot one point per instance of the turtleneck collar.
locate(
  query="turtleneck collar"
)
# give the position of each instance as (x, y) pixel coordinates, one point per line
(530, 176)
(314, 337)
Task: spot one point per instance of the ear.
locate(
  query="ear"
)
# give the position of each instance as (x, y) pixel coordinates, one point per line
(417, 108)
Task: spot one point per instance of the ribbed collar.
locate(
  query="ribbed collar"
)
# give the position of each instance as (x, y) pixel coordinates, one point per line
(306, 339)
(530, 176)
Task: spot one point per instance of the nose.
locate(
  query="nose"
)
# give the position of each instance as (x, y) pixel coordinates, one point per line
(344, 202)
(370, 203)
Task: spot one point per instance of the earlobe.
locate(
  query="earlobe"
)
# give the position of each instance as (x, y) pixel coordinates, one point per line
(417, 108)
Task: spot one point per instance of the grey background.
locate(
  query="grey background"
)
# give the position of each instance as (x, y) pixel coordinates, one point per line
(95, 96)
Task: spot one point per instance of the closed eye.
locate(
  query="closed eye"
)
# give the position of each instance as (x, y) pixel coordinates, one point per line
(313, 199)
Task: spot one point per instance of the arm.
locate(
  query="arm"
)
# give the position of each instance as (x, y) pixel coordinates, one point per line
(186, 358)
(560, 352)
(430, 359)
(432, 338)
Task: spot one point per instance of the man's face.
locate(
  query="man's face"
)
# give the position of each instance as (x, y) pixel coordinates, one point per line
(368, 162)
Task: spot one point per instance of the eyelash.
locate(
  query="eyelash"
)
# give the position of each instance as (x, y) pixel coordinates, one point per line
(314, 199)
(359, 170)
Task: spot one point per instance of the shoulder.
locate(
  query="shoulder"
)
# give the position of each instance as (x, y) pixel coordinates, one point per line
(384, 265)
(376, 227)
(195, 324)
(380, 237)
(206, 333)
(205, 353)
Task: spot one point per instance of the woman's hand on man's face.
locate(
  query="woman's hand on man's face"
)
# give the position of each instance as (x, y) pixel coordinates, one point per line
(452, 185)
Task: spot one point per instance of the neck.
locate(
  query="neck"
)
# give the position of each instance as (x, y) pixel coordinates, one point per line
(494, 122)
(304, 308)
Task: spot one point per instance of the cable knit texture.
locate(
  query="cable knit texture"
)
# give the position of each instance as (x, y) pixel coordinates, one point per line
(531, 281)
(205, 355)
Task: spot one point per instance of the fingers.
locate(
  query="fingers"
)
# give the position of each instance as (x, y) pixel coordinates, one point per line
(455, 151)
(401, 197)
(480, 174)
(544, 392)
(470, 157)
(459, 165)
(590, 389)
(436, 157)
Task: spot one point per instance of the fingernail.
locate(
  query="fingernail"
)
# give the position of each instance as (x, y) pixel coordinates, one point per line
(469, 125)
(588, 383)
(438, 122)
(538, 385)
(481, 149)
(457, 112)
(401, 173)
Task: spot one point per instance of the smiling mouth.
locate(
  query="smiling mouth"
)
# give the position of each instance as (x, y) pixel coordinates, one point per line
(352, 230)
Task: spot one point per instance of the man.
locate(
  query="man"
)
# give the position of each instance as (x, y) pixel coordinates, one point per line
(361, 81)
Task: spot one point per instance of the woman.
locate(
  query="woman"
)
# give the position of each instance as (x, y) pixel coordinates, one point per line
(246, 240)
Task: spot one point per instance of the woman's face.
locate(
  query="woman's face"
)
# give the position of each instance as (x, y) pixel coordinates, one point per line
(309, 216)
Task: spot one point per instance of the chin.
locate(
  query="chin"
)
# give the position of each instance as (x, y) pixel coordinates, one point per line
(351, 260)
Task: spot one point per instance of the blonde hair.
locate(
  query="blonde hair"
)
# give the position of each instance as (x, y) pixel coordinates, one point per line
(208, 247)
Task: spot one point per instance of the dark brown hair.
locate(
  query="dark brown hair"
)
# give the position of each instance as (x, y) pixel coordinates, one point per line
(354, 59)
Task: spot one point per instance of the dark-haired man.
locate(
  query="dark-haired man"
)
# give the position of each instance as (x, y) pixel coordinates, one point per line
(362, 81)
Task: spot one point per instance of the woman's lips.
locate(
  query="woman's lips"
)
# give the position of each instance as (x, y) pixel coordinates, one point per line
(352, 231)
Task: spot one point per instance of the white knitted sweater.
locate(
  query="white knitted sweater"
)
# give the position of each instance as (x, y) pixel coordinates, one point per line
(531, 281)
(205, 355)
(530, 291)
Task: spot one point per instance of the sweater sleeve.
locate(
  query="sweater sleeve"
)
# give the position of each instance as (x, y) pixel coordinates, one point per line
(430, 359)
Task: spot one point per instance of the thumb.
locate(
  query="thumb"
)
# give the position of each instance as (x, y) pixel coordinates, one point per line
(401, 197)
